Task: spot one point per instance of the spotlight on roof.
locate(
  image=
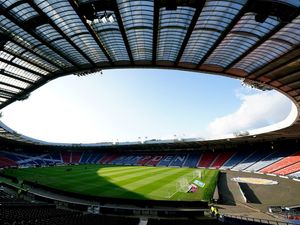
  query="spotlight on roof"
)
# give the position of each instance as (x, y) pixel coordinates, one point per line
(110, 18)
(171, 5)
(260, 17)
(103, 19)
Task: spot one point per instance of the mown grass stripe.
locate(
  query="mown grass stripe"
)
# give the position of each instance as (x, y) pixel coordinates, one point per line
(122, 180)
(133, 185)
(119, 181)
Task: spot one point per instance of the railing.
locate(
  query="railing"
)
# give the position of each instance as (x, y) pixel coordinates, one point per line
(258, 220)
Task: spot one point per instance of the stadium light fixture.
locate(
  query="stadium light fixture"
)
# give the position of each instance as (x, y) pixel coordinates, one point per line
(103, 18)
(110, 18)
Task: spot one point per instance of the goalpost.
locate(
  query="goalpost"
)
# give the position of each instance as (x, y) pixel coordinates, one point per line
(182, 185)
(197, 174)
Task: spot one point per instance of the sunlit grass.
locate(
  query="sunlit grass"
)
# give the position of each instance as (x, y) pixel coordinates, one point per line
(137, 182)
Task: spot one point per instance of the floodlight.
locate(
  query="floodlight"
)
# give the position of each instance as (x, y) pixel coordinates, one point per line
(110, 18)
(103, 19)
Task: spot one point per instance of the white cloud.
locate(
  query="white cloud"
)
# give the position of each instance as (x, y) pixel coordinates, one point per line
(256, 111)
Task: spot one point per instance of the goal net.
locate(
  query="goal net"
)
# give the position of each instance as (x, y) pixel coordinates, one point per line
(197, 174)
(182, 185)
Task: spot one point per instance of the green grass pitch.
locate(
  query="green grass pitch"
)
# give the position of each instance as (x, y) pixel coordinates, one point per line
(134, 182)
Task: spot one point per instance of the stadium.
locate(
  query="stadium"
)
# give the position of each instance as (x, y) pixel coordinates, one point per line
(245, 179)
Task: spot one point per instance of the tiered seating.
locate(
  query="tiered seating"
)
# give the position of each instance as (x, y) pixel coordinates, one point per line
(119, 160)
(282, 163)
(295, 175)
(166, 160)
(206, 159)
(270, 159)
(107, 159)
(178, 160)
(85, 156)
(234, 160)
(128, 160)
(155, 160)
(56, 156)
(75, 157)
(135, 159)
(289, 169)
(66, 156)
(254, 158)
(144, 160)
(95, 157)
(6, 162)
(191, 160)
(8, 198)
(221, 159)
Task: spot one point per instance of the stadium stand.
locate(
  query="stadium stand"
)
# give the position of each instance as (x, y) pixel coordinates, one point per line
(221, 159)
(192, 160)
(66, 157)
(235, 159)
(75, 157)
(155, 160)
(295, 175)
(276, 162)
(20, 212)
(56, 157)
(286, 161)
(84, 157)
(270, 159)
(166, 160)
(134, 160)
(178, 160)
(206, 159)
(288, 169)
(6, 162)
(108, 158)
(254, 158)
(144, 160)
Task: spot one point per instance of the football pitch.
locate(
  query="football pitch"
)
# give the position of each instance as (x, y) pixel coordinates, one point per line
(133, 182)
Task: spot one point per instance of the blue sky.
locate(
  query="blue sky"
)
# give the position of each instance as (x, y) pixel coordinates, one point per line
(128, 105)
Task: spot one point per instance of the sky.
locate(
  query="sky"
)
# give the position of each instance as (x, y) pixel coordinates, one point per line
(141, 104)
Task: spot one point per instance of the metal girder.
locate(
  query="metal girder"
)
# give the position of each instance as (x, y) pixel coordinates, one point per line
(32, 33)
(283, 76)
(278, 66)
(21, 67)
(289, 83)
(91, 31)
(11, 85)
(36, 85)
(193, 23)
(123, 32)
(257, 44)
(15, 4)
(225, 32)
(37, 55)
(7, 92)
(3, 72)
(155, 29)
(26, 60)
(39, 11)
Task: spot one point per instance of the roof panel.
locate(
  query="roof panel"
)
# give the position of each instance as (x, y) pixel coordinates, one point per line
(111, 37)
(173, 25)
(64, 16)
(49, 34)
(137, 17)
(242, 37)
(23, 12)
(25, 39)
(281, 42)
(213, 20)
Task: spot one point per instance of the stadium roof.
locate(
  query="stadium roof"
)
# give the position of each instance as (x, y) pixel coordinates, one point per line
(255, 40)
